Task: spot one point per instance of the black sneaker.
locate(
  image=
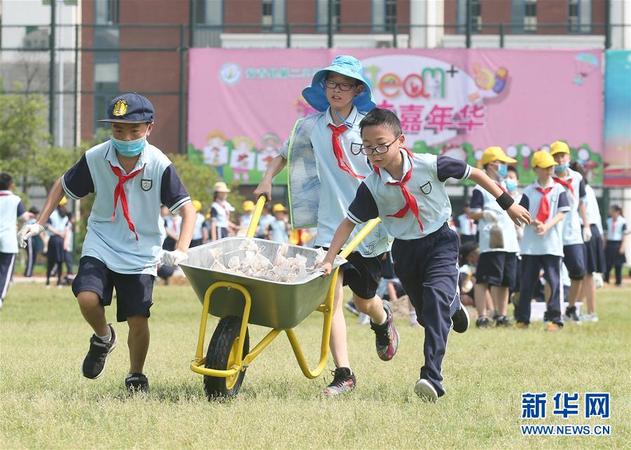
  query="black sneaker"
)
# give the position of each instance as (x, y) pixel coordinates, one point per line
(460, 320)
(343, 381)
(572, 314)
(482, 322)
(503, 321)
(136, 382)
(94, 362)
(386, 336)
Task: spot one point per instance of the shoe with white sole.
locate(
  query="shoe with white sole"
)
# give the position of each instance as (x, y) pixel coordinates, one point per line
(426, 391)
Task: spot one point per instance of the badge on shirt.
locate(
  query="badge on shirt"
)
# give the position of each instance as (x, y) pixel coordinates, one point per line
(146, 184)
(426, 188)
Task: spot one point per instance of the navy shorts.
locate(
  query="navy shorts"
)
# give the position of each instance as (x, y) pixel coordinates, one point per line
(574, 259)
(595, 252)
(497, 269)
(133, 291)
(362, 274)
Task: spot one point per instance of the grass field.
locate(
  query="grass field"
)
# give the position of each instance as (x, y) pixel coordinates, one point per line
(46, 403)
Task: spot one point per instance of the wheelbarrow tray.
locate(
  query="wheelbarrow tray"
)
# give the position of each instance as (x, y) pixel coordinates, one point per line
(275, 304)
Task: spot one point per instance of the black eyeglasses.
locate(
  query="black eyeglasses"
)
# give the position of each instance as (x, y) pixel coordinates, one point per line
(357, 148)
(330, 84)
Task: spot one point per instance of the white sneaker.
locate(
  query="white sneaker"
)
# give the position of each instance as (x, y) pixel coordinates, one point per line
(589, 317)
(425, 391)
(364, 319)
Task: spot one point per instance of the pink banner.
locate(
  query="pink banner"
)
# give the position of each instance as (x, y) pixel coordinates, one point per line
(243, 103)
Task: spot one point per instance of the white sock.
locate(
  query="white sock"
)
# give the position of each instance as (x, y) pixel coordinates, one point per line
(107, 337)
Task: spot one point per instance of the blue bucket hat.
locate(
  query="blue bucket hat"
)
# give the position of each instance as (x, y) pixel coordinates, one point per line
(348, 66)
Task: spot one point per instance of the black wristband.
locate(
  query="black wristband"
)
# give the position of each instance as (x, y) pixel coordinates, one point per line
(505, 201)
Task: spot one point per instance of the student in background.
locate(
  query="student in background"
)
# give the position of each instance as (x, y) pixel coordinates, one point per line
(278, 230)
(614, 250)
(466, 225)
(198, 232)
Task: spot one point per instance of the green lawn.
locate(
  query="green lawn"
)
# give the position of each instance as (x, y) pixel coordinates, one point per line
(46, 403)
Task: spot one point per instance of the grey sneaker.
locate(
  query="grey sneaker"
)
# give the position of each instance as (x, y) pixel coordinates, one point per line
(94, 362)
(426, 391)
(136, 382)
(386, 336)
(343, 381)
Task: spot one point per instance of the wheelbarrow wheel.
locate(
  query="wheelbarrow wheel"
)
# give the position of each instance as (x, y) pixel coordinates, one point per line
(221, 355)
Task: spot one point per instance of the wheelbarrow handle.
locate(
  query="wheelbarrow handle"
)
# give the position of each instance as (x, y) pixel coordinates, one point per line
(256, 216)
(365, 231)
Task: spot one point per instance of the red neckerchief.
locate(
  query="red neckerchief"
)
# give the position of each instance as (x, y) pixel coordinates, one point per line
(410, 201)
(567, 184)
(339, 153)
(544, 205)
(119, 192)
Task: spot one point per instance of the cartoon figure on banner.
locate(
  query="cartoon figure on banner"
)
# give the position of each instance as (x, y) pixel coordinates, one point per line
(486, 80)
(584, 64)
(216, 152)
(242, 158)
(270, 144)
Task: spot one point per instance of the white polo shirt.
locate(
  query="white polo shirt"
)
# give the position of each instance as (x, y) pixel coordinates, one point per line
(481, 199)
(376, 198)
(220, 212)
(197, 229)
(335, 187)
(572, 233)
(466, 225)
(58, 222)
(591, 209)
(11, 208)
(111, 241)
(616, 228)
(552, 242)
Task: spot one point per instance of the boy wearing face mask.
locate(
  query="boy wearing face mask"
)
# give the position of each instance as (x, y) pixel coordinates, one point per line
(497, 267)
(574, 234)
(131, 179)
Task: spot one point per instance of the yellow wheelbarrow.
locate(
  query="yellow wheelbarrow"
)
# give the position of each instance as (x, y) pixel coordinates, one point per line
(240, 300)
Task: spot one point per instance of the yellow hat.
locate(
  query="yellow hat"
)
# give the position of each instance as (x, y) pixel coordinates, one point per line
(495, 154)
(542, 159)
(197, 205)
(559, 147)
(278, 207)
(248, 206)
(220, 186)
(63, 201)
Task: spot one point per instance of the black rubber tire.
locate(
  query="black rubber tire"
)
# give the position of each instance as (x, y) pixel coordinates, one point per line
(217, 358)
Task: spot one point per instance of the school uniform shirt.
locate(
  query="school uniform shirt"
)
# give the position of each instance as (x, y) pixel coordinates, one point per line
(466, 225)
(197, 228)
(616, 228)
(572, 232)
(550, 243)
(278, 231)
(481, 200)
(11, 209)
(264, 222)
(337, 187)
(376, 197)
(111, 240)
(591, 209)
(58, 222)
(220, 212)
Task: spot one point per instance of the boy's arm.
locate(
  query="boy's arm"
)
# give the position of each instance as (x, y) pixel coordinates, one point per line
(187, 211)
(339, 238)
(544, 228)
(265, 186)
(517, 213)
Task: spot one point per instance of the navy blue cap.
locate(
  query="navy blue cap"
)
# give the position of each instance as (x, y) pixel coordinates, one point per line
(129, 108)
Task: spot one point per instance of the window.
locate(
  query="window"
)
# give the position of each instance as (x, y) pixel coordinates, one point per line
(530, 15)
(391, 14)
(475, 9)
(106, 11)
(268, 12)
(323, 14)
(572, 15)
(476, 15)
(579, 16)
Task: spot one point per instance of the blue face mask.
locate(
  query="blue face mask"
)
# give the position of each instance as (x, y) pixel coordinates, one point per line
(560, 168)
(502, 170)
(511, 185)
(130, 148)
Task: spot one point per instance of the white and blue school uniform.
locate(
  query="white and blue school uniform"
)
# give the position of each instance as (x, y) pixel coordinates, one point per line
(425, 249)
(616, 229)
(57, 224)
(594, 249)
(542, 252)
(11, 209)
(198, 233)
(278, 231)
(466, 227)
(497, 265)
(132, 247)
(573, 246)
(220, 216)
